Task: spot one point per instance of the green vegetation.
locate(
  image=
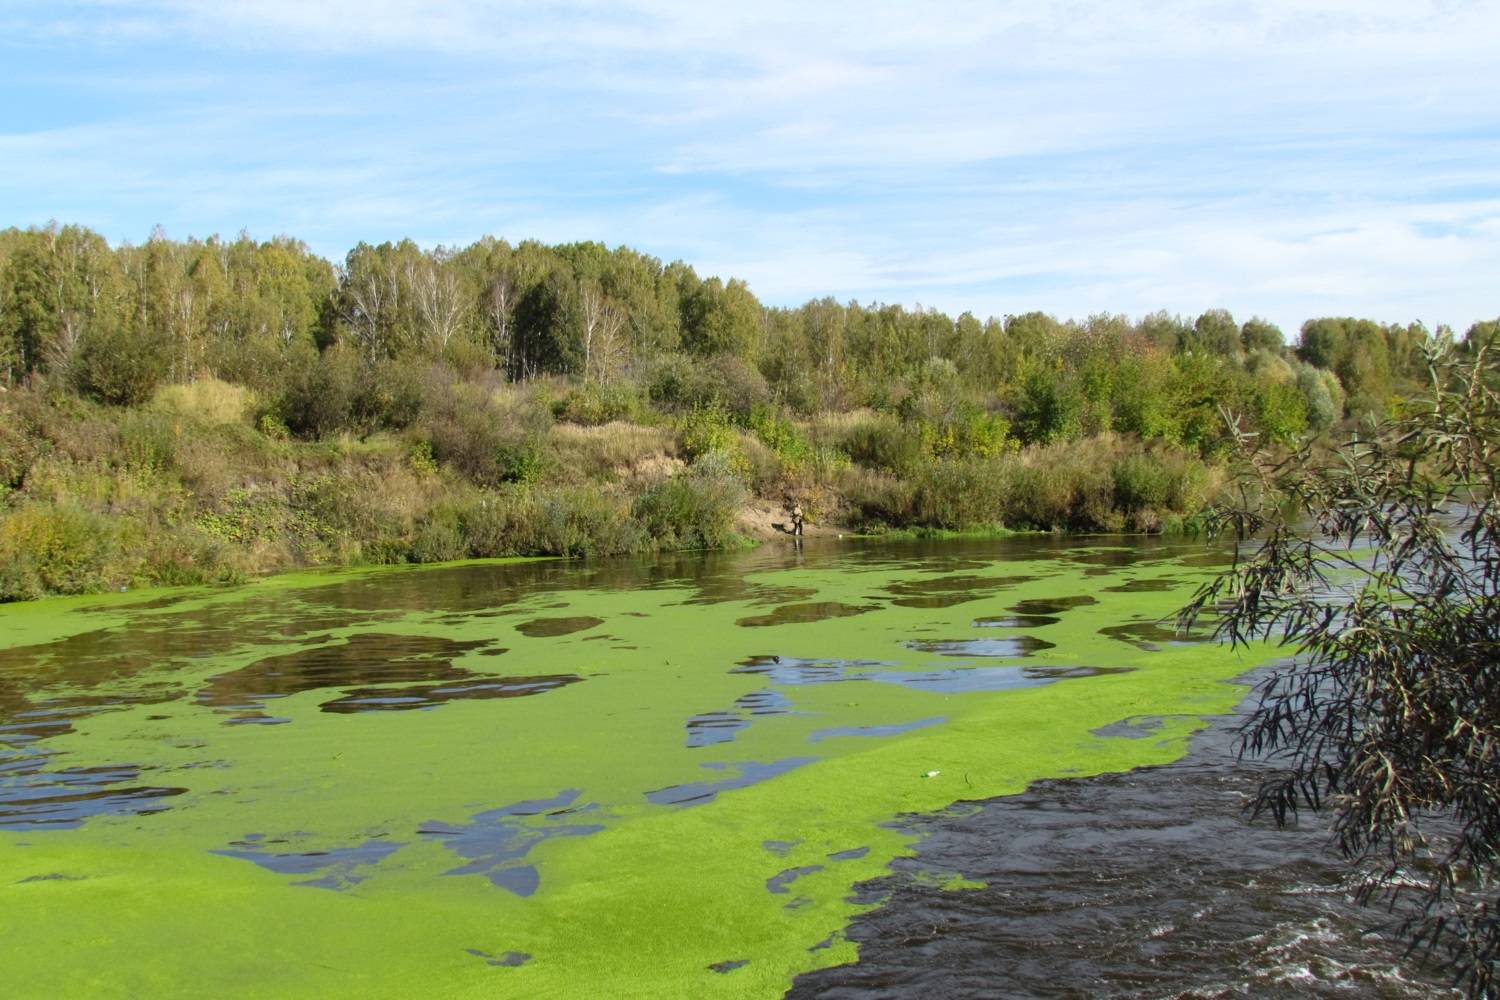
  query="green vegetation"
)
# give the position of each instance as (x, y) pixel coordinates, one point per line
(1380, 565)
(208, 410)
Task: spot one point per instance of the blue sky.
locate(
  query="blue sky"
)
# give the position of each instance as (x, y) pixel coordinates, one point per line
(1282, 159)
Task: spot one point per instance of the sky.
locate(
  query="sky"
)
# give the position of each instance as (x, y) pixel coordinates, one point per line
(1282, 159)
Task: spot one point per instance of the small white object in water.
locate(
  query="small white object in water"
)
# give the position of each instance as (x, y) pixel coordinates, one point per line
(932, 774)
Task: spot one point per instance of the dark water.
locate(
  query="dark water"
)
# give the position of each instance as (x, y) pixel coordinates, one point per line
(1147, 884)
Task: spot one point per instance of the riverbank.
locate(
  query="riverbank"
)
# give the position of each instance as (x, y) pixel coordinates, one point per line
(201, 485)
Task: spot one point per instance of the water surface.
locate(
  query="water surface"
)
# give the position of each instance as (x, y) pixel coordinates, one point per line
(549, 778)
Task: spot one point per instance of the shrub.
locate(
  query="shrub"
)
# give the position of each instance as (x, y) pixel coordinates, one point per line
(595, 403)
(957, 494)
(883, 443)
(57, 548)
(120, 367)
(319, 397)
(466, 427)
(694, 510)
(678, 382)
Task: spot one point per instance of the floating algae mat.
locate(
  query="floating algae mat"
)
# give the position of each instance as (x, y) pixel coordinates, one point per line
(546, 778)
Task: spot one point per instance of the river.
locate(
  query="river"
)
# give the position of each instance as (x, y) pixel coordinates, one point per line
(800, 767)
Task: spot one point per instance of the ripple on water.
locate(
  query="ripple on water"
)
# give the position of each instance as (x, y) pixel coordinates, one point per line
(34, 798)
(712, 728)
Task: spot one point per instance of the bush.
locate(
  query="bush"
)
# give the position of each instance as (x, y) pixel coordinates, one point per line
(678, 382)
(120, 367)
(956, 494)
(525, 520)
(466, 427)
(319, 397)
(694, 510)
(883, 443)
(48, 548)
(594, 403)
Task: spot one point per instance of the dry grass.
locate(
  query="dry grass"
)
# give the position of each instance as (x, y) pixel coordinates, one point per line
(207, 400)
(612, 451)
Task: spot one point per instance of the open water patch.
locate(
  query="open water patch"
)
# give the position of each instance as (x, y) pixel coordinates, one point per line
(1009, 647)
(506, 959)
(1016, 621)
(713, 728)
(697, 793)
(948, 591)
(1152, 635)
(894, 729)
(781, 882)
(32, 797)
(336, 868)
(1052, 605)
(494, 843)
(792, 670)
(1147, 586)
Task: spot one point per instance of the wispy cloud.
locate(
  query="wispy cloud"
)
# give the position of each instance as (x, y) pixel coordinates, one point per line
(1275, 157)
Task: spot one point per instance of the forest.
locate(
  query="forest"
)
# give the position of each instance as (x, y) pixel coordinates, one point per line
(206, 410)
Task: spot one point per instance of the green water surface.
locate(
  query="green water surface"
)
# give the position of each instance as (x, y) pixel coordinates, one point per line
(548, 778)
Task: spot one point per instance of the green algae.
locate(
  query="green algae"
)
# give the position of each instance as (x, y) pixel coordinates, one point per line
(574, 837)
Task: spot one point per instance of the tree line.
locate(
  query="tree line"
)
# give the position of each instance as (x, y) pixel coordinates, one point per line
(117, 322)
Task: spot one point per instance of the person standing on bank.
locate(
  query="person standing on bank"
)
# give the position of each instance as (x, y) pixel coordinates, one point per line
(797, 519)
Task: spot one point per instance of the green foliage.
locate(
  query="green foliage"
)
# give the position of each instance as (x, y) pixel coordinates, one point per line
(706, 430)
(694, 510)
(883, 442)
(595, 403)
(121, 367)
(56, 549)
(1050, 408)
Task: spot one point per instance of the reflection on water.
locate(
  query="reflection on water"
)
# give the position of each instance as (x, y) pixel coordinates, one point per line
(1017, 645)
(362, 659)
(540, 627)
(815, 611)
